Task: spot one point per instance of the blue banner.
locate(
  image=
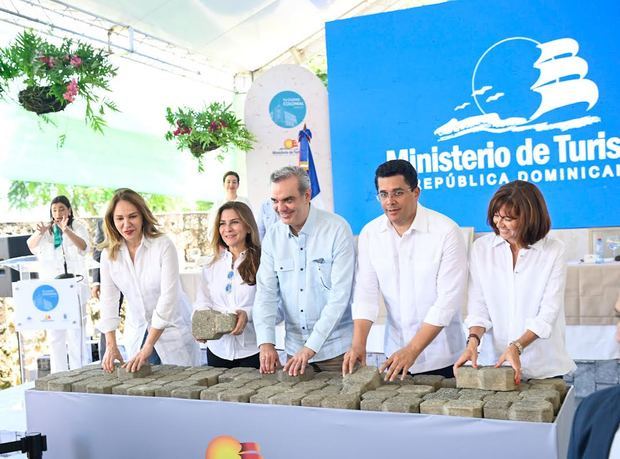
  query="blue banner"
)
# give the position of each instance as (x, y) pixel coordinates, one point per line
(476, 94)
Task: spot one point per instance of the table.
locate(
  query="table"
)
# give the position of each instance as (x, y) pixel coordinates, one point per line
(92, 426)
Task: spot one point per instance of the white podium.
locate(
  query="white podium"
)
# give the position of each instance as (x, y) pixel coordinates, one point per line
(52, 304)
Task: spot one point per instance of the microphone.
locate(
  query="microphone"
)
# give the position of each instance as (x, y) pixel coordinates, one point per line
(65, 275)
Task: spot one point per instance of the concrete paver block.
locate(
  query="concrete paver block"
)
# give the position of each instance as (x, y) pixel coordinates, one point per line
(550, 395)
(449, 383)
(402, 404)
(241, 395)
(511, 396)
(434, 406)
(123, 374)
(488, 378)
(532, 410)
(208, 324)
(496, 409)
(464, 407)
(429, 380)
(187, 392)
(551, 383)
(306, 376)
(341, 401)
(290, 398)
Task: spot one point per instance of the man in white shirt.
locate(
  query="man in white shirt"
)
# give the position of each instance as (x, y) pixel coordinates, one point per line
(416, 259)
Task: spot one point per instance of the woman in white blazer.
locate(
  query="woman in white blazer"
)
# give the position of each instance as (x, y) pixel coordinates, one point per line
(138, 260)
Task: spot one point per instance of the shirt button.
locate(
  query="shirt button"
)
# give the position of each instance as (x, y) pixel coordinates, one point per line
(301, 289)
(303, 328)
(301, 248)
(301, 269)
(302, 310)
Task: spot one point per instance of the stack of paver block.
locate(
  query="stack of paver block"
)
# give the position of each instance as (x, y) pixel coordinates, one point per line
(485, 392)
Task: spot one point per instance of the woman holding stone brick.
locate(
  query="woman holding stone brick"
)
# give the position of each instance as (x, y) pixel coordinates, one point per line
(140, 261)
(228, 285)
(516, 289)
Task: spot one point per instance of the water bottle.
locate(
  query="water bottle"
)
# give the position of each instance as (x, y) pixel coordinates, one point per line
(598, 250)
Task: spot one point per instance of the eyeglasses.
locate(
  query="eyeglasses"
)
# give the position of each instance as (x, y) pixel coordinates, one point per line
(229, 284)
(505, 218)
(396, 194)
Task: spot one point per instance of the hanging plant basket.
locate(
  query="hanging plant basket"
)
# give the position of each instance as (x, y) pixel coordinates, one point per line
(200, 132)
(198, 149)
(53, 76)
(40, 100)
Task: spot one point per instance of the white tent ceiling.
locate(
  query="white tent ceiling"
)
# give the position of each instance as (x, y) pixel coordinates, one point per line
(217, 39)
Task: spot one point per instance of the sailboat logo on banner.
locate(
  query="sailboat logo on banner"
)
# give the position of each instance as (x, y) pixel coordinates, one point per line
(521, 84)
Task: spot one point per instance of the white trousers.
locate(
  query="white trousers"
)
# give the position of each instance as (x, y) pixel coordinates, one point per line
(68, 343)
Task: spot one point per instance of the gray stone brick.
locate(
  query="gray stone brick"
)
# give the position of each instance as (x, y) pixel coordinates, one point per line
(379, 394)
(531, 410)
(550, 395)
(310, 385)
(341, 401)
(60, 384)
(82, 384)
(328, 375)
(429, 380)
(449, 383)
(402, 404)
(464, 407)
(143, 372)
(390, 388)
(41, 383)
(488, 378)
(263, 394)
(241, 395)
(606, 372)
(313, 399)
(291, 398)
(371, 404)
(551, 383)
(145, 390)
(363, 379)
(496, 409)
(432, 406)
(443, 394)
(102, 387)
(211, 325)
(419, 390)
(306, 376)
(511, 396)
(258, 384)
(474, 394)
(187, 392)
(331, 389)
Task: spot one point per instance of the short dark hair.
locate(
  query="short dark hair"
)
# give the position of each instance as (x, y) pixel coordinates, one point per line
(230, 173)
(526, 203)
(62, 199)
(397, 167)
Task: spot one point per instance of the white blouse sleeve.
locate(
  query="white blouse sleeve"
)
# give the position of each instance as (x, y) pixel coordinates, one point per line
(168, 303)
(477, 310)
(110, 296)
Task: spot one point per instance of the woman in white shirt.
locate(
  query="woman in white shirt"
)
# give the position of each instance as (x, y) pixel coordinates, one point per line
(516, 289)
(228, 284)
(59, 241)
(138, 260)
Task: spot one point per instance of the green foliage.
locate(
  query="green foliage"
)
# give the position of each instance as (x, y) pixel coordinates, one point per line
(86, 200)
(201, 131)
(70, 70)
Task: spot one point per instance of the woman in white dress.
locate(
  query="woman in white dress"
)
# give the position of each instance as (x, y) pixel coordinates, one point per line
(516, 289)
(228, 284)
(140, 261)
(62, 240)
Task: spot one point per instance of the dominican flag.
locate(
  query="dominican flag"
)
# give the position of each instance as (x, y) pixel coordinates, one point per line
(307, 162)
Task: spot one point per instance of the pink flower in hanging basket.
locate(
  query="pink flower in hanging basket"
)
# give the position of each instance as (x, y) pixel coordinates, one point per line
(72, 90)
(75, 61)
(47, 60)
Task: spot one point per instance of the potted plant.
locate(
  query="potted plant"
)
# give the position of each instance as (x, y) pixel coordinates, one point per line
(52, 77)
(216, 126)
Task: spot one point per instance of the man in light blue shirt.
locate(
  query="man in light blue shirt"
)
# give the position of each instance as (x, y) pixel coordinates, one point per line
(307, 263)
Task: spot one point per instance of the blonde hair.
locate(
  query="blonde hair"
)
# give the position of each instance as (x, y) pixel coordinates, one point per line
(249, 266)
(113, 238)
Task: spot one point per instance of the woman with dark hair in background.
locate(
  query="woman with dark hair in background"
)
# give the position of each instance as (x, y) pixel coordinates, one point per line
(228, 285)
(516, 288)
(63, 239)
(140, 261)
